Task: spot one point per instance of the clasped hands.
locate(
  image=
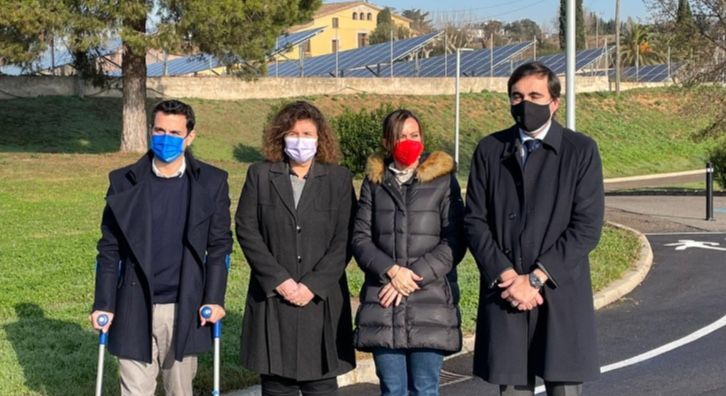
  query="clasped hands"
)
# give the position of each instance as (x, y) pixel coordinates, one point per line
(518, 292)
(295, 293)
(403, 283)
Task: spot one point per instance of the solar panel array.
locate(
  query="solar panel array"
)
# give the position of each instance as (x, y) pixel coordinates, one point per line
(48, 59)
(292, 39)
(558, 62)
(372, 56)
(649, 73)
(474, 63)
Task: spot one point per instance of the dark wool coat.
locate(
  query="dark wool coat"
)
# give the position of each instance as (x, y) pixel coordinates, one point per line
(550, 213)
(124, 254)
(310, 245)
(418, 226)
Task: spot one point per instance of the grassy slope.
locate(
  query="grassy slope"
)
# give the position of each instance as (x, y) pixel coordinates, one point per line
(643, 131)
(53, 167)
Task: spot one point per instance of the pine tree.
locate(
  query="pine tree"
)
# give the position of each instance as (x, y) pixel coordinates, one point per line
(579, 25)
(239, 33)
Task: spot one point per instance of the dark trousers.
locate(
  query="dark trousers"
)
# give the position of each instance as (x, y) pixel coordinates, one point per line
(536, 333)
(278, 386)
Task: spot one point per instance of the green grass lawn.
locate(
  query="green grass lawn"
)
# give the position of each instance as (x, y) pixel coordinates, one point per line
(642, 131)
(51, 206)
(56, 152)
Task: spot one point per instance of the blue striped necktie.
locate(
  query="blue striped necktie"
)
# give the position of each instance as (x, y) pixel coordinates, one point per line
(530, 146)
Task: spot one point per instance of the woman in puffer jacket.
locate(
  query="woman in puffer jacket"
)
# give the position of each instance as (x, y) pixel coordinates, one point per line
(408, 239)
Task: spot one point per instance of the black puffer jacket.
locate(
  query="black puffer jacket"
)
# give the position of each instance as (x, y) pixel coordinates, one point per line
(417, 225)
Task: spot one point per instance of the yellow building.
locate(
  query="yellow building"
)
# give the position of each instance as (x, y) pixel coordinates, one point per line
(347, 25)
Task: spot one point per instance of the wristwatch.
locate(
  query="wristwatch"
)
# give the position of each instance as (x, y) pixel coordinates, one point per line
(535, 281)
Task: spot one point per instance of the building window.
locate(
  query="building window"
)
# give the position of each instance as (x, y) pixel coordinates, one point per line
(355, 16)
(334, 46)
(362, 16)
(335, 23)
(370, 16)
(362, 40)
(306, 47)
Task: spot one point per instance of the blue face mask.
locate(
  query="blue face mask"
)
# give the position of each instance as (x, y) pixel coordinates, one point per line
(167, 148)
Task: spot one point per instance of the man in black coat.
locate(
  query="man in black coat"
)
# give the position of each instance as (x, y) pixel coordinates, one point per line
(534, 212)
(163, 254)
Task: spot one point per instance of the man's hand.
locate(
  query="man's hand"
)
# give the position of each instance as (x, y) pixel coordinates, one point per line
(404, 281)
(302, 296)
(217, 314)
(519, 293)
(287, 288)
(389, 295)
(93, 317)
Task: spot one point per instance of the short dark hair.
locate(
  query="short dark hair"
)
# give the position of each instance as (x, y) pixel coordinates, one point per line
(537, 69)
(393, 125)
(176, 107)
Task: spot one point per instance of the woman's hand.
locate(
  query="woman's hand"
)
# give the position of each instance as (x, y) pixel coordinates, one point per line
(287, 288)
(404, 281)
(388, 295)
(302, 296)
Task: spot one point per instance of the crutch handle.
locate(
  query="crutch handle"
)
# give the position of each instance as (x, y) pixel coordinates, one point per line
(102, 320)
(206, 314)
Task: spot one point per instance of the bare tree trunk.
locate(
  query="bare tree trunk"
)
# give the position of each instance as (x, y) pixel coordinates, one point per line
(133, 67)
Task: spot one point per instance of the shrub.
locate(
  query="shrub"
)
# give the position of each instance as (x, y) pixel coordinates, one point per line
(717, 156)
(360, 134)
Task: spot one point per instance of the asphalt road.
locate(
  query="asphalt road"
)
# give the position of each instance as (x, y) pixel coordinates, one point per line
(677, 317)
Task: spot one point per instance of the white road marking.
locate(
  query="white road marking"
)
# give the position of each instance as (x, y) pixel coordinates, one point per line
(700, 333)
(684, 233)
(684, 244)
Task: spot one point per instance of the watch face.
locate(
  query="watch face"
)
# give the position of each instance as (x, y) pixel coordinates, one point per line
(535, 281)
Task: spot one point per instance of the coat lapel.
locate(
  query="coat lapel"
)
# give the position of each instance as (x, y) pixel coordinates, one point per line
(280, 178)
(132, 210)
(312, 184)
(201, 208)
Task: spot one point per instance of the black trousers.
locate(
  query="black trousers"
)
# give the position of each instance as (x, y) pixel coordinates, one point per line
(279, 386)
(536, 333)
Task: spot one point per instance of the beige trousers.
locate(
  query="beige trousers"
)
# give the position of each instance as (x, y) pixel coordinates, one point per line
(139, 378)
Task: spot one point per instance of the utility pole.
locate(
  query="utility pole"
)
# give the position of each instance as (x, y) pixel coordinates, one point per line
(617, 47)
(571, 60)
(391, 53)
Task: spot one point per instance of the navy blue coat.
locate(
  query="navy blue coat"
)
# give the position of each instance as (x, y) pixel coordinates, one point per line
(550, 212)
(124, 253)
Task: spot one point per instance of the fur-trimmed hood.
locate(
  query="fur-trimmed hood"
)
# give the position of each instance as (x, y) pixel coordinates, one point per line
(437, 164)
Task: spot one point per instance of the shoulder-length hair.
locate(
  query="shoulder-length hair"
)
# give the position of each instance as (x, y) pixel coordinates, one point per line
(274, 134)
(393, 125)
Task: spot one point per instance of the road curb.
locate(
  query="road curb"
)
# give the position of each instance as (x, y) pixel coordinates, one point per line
(632, 277)
(365, 371)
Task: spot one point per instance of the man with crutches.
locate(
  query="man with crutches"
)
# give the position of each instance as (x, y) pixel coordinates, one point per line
(162, 256)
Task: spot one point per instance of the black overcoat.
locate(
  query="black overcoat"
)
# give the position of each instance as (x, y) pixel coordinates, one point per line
(550, 213)
(310, 245)
(418, 225)
(124, 254)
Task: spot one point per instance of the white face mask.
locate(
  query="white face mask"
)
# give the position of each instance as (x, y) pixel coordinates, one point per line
(301, 149)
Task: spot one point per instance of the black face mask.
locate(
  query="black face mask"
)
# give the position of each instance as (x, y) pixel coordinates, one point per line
(530, 116)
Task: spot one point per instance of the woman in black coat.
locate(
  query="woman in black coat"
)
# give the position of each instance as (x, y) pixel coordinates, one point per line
(408, 239)
(293, 224)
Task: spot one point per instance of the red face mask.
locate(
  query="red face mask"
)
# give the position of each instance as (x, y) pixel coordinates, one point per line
(407, 152)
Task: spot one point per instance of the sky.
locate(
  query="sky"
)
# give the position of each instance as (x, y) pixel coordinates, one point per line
(541, 11)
